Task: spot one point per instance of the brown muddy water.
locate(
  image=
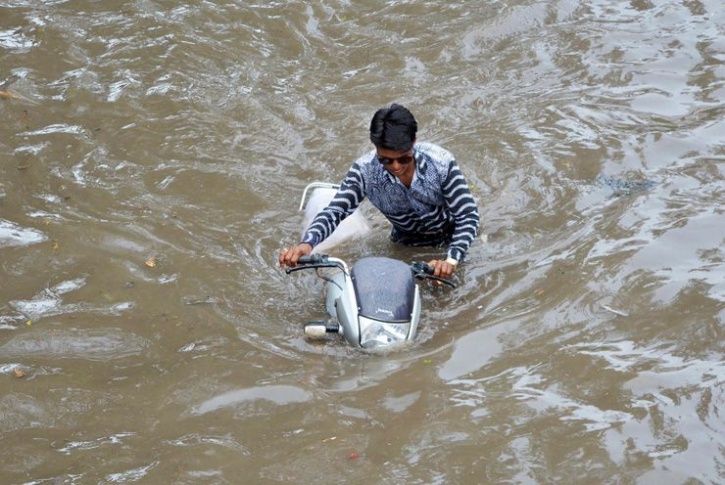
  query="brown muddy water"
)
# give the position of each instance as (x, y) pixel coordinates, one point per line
(152, 155)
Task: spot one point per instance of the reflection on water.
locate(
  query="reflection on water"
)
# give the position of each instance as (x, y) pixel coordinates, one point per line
(13, 235)
(153, 159)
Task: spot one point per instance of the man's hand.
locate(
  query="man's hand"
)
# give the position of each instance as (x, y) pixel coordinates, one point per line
(290, 256)
(442, 268)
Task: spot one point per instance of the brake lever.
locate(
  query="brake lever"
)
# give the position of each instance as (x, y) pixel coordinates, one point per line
(442, 280)
(310, 266)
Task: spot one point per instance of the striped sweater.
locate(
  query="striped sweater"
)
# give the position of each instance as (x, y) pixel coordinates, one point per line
(437, 208)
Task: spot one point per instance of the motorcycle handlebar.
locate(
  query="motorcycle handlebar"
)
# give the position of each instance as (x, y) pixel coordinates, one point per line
(420, 269)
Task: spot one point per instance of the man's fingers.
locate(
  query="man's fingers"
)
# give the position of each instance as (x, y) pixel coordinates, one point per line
(296, 253)
(433, 263)
(441, 269)
(291, 256)
(445, 270)
(437, 266)
(286, 257)
(282, 256)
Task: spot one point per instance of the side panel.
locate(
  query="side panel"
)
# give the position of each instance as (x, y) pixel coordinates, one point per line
(347, 317)
(414, 315)
(347, 313)
(334, 290)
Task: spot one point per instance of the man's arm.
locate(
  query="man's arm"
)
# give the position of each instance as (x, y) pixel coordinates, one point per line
(344, 203)
(465, 215)
(464, 210)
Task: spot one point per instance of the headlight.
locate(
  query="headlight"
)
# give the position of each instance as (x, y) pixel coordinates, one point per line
(376, 334)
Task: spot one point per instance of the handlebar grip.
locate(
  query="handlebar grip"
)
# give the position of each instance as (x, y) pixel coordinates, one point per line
(312, 259)
(421, 267)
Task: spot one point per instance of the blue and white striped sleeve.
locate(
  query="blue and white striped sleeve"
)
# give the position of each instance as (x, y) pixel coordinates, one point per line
(344, 203)
(464, 210)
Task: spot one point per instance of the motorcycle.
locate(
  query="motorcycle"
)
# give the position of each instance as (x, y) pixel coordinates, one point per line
(374, 305)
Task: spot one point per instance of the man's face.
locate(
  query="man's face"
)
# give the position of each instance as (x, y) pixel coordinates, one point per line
(400, 164)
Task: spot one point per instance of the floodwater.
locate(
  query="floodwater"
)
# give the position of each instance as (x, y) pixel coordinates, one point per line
(152, 156)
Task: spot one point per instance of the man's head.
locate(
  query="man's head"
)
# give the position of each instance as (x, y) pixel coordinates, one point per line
(393, 128)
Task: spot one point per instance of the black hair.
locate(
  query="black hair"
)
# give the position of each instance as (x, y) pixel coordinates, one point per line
(393, 128)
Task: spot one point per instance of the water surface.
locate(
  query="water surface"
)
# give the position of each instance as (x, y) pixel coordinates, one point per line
(153, 155)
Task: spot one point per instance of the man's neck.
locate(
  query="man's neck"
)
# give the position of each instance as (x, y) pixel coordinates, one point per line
(407, 180)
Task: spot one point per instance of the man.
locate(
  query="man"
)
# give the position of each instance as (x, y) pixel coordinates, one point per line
(417, 186)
